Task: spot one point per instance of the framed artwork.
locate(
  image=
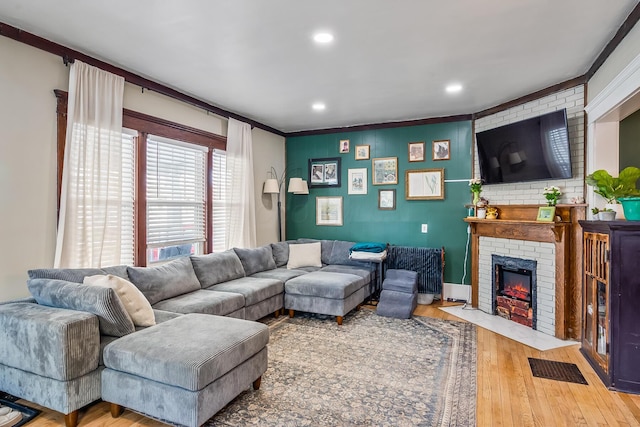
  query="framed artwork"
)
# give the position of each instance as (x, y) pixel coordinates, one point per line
(362, 152)
(358, 181)
(324, 172)
(329, 211)
(424, 184)
(546, 214)
(416, 151)
(387, 199)
(384, 170)
(344, 146)
(441, 150)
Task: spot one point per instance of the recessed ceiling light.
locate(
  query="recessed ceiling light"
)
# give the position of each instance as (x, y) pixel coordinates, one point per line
(318, 106)
(454, 88)
(323, 38)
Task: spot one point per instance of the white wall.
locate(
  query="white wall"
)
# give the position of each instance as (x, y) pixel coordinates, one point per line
(28, 77)
(626, 51)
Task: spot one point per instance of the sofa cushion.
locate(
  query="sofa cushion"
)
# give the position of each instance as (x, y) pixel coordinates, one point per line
(324, 285)
(304, 255)
(103, 302)
(134, 302)
(255, 260)
(365, 272)
(281, 274)
(117, 270)
(165, 281)
(340, 252)
(203, 301)
(217, 267)
(253, 289)
(280, 252)
(190, 351)
(76, 275)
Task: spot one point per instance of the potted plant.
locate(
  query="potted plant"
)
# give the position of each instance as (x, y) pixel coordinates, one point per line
(623, 188)
(607, 214)
(595, 214)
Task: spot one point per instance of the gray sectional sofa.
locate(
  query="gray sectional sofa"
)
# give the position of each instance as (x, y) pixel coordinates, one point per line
(54, 344)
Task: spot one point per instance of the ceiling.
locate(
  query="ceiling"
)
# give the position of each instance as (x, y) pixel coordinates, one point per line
(389, 61)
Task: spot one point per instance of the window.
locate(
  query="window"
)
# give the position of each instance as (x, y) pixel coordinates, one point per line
(176, 198)
(173, 190)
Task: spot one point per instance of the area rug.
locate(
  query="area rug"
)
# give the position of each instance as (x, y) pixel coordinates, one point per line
(371, 371)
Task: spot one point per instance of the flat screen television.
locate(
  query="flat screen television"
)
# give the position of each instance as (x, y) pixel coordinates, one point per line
(530, 150)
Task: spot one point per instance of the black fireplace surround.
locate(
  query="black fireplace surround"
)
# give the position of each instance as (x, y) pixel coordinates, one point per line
(502, 266)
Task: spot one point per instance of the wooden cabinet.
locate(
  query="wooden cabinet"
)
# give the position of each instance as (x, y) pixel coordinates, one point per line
(611, 302)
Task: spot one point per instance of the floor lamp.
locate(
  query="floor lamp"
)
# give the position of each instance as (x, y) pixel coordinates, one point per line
(274, 186)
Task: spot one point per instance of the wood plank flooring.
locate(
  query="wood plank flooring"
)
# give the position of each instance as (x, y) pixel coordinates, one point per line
(508, 395)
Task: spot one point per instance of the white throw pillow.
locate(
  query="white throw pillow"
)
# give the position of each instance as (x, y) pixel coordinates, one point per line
(133, 300)
(305, 255)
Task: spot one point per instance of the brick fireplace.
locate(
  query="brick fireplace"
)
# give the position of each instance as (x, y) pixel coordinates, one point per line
(555, 248)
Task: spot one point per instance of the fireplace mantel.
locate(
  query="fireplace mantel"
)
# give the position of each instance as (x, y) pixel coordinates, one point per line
(518, 222)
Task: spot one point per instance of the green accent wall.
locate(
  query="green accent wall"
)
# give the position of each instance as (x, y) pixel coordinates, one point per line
(362, 220)
(630, 141)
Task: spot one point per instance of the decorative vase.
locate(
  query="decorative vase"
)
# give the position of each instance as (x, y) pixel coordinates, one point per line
(631, 207)
(481, 213)
(476, 197)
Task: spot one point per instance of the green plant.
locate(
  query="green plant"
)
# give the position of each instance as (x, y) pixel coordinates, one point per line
(614, 188)
(595, 211)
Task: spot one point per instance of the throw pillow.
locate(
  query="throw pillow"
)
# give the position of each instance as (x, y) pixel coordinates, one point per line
(304, 255)
(103, 302)
(165, 281)
(134, 302)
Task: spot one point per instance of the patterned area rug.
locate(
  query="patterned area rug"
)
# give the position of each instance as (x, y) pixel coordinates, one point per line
(370, 371)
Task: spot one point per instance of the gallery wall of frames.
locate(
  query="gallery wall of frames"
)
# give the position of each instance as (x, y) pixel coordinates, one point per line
(381, 185)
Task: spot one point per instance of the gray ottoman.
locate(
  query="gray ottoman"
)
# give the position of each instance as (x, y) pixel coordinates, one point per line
(184, 370)
(399, 295)
(324, 292)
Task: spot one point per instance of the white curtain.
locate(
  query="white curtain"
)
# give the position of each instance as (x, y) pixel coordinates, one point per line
(241, 209)
(89, 225)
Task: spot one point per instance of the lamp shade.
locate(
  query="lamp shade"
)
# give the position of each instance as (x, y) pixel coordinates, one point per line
(304, 189)
(271, 186)
(295, 185)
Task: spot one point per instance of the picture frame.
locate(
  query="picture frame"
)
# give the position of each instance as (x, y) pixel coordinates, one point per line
(357, 181)
(416, 152)
(325, 172)
(387, 199)
(546, 214)
(362, 152)
(384, 170)
(441, 149)
(329, 210)
(424, 184)
(344, 146)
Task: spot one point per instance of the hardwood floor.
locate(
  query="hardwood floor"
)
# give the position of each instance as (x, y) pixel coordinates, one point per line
(508, 395)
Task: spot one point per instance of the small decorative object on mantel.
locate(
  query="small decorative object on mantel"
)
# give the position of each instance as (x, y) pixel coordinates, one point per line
(481, 208)
(475, 185)
(552, 194)
(546, 214)
(492, 213)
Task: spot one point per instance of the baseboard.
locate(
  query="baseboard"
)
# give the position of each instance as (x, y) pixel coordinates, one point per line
(455, 291)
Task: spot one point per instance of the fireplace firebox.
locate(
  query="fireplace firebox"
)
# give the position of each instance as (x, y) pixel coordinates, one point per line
(514, 289)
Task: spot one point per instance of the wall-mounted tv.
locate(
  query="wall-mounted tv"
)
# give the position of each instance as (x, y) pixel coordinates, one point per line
(530, 150)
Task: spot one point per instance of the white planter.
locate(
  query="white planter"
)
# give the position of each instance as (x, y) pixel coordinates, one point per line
(481, 213)
(617, 207)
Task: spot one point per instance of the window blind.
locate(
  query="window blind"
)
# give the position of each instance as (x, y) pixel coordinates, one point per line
(219, 198)
(176, 195)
